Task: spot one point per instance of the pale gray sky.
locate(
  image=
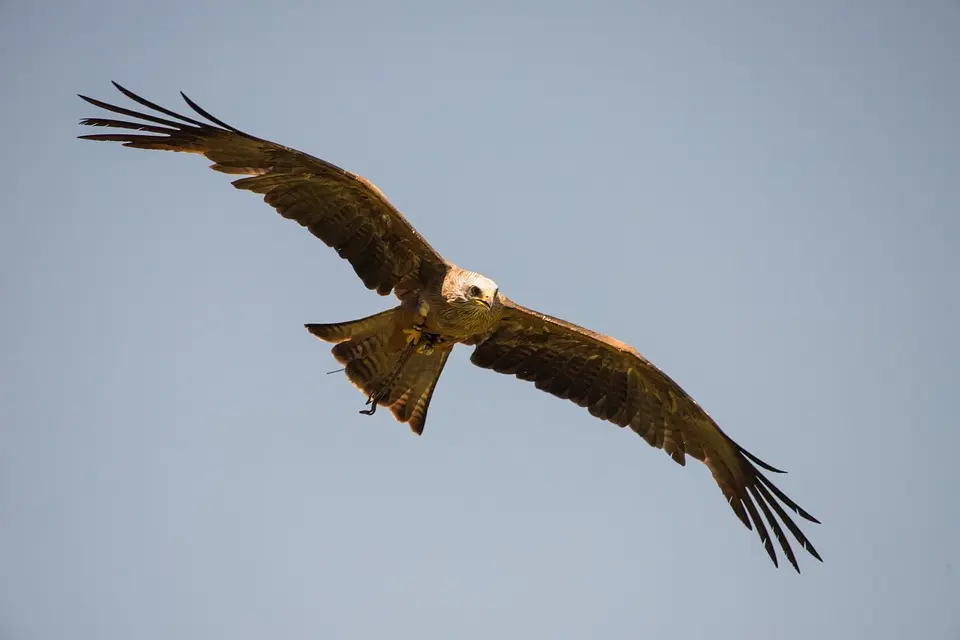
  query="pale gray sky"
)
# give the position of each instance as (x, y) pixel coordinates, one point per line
(762, 197)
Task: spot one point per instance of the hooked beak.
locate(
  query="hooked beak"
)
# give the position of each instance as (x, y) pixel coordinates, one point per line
(483, 301)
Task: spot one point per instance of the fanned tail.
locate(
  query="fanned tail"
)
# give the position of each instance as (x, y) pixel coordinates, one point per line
(370, 348)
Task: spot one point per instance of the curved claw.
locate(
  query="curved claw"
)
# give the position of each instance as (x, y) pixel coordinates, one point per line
(413, 335)
(373, 406)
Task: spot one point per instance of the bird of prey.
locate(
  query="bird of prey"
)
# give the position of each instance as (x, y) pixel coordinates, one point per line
(396, 357)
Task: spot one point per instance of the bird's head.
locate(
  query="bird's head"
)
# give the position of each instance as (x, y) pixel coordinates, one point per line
(475, 290)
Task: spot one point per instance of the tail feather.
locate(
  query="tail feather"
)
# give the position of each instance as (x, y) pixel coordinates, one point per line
(369, 349)
(412, 406)
(356, 348)
(369, 373)
(413, 381)
(341, 331)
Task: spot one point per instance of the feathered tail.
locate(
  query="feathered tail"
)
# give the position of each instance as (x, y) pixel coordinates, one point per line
(369, 349)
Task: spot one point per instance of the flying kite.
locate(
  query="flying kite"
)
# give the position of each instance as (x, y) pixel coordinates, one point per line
(396, 357)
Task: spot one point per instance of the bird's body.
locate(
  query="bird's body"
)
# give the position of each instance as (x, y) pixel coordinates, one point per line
(396, 357)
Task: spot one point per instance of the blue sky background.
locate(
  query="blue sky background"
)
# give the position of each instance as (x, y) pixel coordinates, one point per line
(762, 197)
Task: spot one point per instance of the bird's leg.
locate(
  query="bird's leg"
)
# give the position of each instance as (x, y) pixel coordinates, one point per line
(430, 340)
(416, 336)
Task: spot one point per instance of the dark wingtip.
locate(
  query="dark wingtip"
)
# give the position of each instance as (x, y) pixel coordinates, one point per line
(809, 549)
(122, 89)
(758, 461)
(772, 553)
(206, 114)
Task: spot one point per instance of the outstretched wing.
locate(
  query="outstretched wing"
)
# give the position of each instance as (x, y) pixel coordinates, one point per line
(617, 384)
(344, 210)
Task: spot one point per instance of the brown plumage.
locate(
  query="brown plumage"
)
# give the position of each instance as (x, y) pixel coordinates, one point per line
(396, 357)
(369, 348)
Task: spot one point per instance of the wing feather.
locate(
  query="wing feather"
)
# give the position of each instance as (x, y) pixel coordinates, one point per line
(344, 210)
(617, 384)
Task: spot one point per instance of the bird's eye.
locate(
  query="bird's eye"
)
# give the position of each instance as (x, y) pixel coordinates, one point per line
(474, 291)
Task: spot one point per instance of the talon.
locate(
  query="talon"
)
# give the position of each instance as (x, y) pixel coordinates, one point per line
(413, 335)
(373, 406)
(429, 343)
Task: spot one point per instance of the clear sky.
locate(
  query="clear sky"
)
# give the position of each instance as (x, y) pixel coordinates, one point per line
(762, 197)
